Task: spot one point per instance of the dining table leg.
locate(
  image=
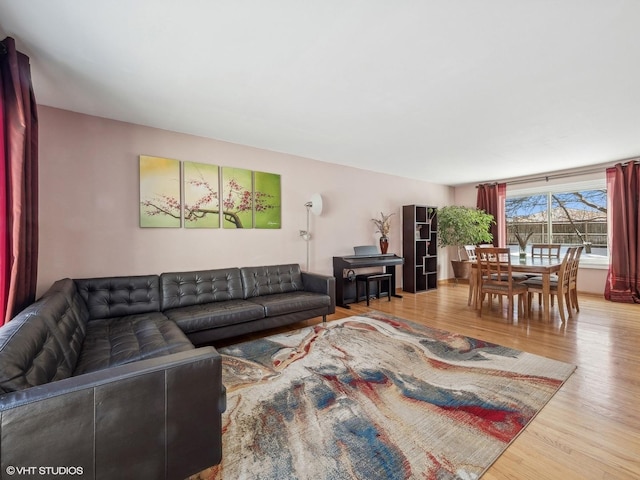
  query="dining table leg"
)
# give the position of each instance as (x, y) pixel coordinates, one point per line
(546, 295)
(477, 296)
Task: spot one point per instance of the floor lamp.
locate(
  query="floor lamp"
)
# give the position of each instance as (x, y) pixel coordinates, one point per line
(313, 206)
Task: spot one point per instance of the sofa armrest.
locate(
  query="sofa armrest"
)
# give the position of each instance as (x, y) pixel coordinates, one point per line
(315, 282)
(157, 418)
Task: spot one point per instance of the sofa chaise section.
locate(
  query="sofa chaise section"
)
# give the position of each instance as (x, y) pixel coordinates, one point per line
(125, 323)
(145, 404)
(155, 418)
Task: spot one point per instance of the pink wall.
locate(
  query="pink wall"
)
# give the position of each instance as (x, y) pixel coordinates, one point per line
(89, 204)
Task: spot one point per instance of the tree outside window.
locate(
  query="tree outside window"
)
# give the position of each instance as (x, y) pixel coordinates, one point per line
(568, 218)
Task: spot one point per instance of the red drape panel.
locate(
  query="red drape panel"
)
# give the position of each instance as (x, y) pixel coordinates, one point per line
(623, 191)
(19, 177)
(491, 199)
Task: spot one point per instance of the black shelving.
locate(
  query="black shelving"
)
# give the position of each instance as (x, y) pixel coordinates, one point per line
(419, 248)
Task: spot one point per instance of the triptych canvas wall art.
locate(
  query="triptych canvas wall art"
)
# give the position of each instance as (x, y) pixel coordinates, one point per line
(200, 195)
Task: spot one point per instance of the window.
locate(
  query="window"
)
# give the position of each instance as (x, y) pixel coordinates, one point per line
(574, 214)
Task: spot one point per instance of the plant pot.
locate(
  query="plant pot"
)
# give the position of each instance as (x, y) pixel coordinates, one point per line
(461, 269)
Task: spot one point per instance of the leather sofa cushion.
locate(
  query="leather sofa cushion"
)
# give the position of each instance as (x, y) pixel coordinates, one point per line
(110, 297)
(284, 303)
(183, 289)
(116, 341)
(212, 315)
(69, 313)
(42, 343)
(29, 355)
(272, 279)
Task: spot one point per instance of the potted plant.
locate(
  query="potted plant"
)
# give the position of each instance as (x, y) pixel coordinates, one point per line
(459, 226)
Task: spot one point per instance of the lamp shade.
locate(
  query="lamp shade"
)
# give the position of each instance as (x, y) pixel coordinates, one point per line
(316, 204)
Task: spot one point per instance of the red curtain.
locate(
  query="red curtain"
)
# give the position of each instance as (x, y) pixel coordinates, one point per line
(623, 191)
(491, 199)
(19, 179)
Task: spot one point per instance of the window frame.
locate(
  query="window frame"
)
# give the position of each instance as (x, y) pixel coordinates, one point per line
(599, 262)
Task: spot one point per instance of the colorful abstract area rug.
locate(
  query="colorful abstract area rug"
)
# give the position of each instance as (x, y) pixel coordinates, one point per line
(375, 397)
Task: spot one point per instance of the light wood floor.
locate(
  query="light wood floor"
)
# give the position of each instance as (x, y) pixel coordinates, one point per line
(591, 428)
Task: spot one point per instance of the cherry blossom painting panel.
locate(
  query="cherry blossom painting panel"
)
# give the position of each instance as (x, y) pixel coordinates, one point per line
(237, 198)
(160, 204)
(201, 204)
(267, 200)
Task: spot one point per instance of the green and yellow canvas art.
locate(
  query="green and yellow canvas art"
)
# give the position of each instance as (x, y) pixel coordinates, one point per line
(201, 204)
(160, 204)
(237, 198)
(267, 200)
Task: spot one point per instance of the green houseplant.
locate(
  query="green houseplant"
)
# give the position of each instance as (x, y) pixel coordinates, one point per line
(459, 226)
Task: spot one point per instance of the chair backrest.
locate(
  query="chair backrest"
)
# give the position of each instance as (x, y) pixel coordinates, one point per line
(575, 265)
(545, 250)
(471, 252)
(578, 253)
(564, 274)
(494, 266)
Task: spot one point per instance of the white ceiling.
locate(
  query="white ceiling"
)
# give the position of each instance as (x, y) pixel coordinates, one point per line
(448, 91)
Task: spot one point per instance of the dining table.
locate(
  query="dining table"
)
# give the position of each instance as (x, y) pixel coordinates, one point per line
(545, 267)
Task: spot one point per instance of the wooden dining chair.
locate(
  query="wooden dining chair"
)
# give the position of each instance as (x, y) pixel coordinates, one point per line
(573, 281)
(496, 278)
(545, 250)
(471, 252)
(558, 287)
(471, 256)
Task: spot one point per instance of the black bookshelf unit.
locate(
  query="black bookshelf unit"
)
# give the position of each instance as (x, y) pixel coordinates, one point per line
(419, 248)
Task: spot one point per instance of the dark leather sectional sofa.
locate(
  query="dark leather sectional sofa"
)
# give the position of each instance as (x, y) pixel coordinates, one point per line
(103, 375)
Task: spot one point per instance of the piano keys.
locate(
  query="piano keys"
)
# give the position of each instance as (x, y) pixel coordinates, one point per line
(346, 288)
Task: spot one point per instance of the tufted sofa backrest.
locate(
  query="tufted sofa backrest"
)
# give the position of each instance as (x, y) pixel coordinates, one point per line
(271, 279)
(182, 289)
(109, 297)
(42, 343)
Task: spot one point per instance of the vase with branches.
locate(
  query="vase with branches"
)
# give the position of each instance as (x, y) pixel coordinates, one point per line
(384, 227)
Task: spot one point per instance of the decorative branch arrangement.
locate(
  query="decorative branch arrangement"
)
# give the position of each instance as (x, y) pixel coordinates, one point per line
(383, 224)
